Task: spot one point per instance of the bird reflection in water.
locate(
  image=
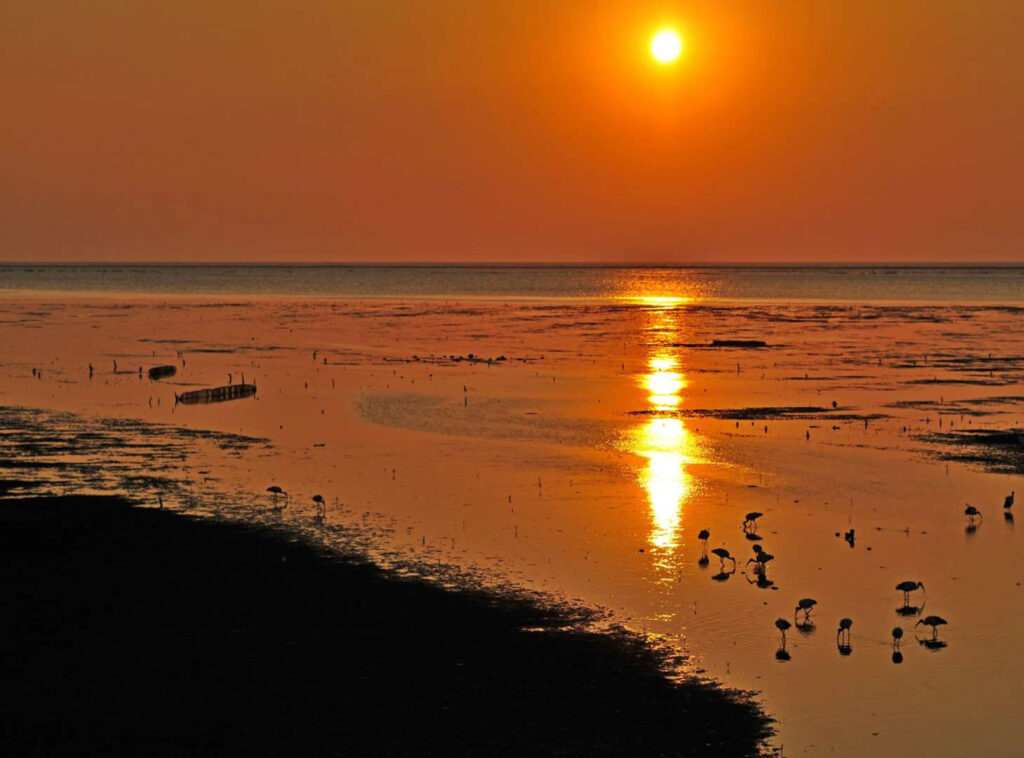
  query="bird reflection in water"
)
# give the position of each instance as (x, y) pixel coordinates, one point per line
(761, 581)
(910, 610)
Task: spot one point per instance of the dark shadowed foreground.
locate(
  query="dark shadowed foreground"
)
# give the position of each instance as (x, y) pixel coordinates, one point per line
(139, 631)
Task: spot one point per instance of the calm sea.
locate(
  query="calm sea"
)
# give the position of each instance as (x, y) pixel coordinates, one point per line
(963, 284)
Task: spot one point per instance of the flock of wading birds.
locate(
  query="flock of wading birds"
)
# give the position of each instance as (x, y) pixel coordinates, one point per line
(761, 559)
(806, 605)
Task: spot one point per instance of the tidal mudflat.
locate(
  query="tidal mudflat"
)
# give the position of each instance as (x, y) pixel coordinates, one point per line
(577, 449)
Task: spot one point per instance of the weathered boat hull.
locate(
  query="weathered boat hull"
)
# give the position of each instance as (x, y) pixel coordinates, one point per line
(162, 372)
(216, 394)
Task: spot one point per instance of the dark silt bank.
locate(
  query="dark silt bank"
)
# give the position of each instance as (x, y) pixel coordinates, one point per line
(136, 631)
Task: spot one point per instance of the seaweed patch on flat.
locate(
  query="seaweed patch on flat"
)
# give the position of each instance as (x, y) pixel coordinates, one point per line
(54, 451)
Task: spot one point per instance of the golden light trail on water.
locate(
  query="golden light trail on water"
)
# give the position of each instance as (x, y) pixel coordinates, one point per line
(663, 440)
(666, 480)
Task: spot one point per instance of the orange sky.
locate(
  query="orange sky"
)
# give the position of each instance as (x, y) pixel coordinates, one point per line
(520, 130)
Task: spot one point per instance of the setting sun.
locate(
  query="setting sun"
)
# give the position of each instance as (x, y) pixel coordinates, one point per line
(666, 46)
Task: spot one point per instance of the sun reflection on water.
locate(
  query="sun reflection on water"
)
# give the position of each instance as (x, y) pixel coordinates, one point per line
(664, 383)
(663, 440)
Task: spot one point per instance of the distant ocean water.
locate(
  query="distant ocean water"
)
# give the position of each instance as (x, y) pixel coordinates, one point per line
(956, 284)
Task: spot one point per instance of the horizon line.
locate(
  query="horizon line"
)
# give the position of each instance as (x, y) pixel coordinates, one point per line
(531, 264)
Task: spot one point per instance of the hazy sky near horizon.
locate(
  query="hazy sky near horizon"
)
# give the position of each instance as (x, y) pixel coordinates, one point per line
(519, 130)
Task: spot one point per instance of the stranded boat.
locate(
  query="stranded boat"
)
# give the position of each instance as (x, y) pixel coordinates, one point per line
(162, 372)
(216, 394)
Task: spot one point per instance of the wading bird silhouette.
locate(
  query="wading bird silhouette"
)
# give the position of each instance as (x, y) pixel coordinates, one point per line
(806, 605)
(906, 588)
(1008, 502)
(703, 535)
(760, 559)
(934, 622)
(321, 507)
(750, 521)
(782, 625)
(843, 635)
(897, 637)
(275, 494)
(972, 513)
(723, 556)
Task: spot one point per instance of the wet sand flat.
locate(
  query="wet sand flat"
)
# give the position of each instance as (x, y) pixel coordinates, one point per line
(577, 449)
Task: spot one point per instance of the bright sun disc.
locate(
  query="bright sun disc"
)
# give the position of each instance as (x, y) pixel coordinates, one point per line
(666, 46)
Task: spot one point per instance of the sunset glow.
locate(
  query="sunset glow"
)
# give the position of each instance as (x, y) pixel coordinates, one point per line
(476, 378)
(493, 132)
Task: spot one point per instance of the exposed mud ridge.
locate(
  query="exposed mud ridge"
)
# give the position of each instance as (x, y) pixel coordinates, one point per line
(811, 412)
(963, 406)
(1004, 381)
(731, 343)
(442, 360)
(998, 451)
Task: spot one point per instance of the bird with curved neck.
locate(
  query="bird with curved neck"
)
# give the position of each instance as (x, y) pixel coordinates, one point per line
(723, 556)
(750, 521)
(806, 605)
(934, 622)
(906, 588)
(843, 633)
